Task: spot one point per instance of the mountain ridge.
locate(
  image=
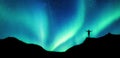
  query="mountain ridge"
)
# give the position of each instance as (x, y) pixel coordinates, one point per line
(107, 45)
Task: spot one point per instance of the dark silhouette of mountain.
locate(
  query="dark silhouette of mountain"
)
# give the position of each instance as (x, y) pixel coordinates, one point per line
(107, 45)
(12, 46)
(16, 48)
(102, 46)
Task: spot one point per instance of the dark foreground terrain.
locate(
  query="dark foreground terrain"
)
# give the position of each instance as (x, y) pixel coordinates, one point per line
(108, 45)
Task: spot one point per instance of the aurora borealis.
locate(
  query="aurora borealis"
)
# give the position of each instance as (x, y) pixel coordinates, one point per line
(57, 25)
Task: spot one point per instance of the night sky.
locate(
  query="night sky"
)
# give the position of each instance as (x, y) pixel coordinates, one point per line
(57, 25)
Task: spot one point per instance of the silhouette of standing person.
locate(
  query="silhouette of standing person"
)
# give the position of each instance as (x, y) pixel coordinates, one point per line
(88, 33)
